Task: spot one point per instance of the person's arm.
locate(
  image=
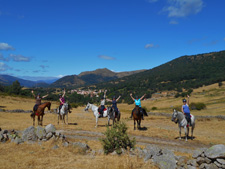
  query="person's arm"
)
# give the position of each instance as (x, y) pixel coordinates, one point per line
(131, 97)
(188, 100)
(108, 100)
(182, 109)
(44, 96)
(118, 98)
(105, 94)
(33, 93)
(61, 101)
(64, 92)
(142, 97)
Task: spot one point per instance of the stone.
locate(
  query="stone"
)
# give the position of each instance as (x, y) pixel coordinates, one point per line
(153, 150)
(49, 135)
(192, 162)
(81, 145)
(217, 151)
(57, 134)
(40, 132)
(221, 161)
(202, 166)
(182, 161)
(165, 162)
(218, 164)
(147, 157)
(114, 153)
(200, 160)
(191, 167)
(18, 140)
(197, 153)
(65, 144)
(29, 134)
(211, 166)
(50, 128)
(55, 147)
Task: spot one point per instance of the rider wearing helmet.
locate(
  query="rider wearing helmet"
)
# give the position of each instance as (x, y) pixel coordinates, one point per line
(38, 101)
(114, 103)
(102, 104)
(61, 100)
(137, 103)
(186, 110)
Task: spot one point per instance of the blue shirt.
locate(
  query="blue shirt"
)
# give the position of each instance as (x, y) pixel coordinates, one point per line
(186, 109)
(137, 102)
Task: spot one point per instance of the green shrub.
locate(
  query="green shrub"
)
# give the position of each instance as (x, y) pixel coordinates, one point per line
(154, 108)
(74, 105)
(197, 106)
(116, 139)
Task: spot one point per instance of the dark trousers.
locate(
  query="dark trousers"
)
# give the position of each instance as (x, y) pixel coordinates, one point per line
(35, 107)
(102, 109)
(188, 118)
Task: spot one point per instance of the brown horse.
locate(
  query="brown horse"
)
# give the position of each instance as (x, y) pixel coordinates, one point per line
(137, 117)
(40, 113)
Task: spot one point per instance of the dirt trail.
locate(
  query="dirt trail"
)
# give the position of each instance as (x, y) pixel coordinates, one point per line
(174, 145)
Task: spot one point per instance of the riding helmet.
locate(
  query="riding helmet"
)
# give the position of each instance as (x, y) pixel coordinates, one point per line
(184, 100)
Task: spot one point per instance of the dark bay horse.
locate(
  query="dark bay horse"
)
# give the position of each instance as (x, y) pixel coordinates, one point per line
(137, 117)
(40, 112)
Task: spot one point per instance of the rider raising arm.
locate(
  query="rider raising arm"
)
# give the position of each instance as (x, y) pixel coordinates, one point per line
(114, 103)
(137, 103)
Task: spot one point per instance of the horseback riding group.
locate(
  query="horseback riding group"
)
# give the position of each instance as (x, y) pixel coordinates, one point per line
(184, 118)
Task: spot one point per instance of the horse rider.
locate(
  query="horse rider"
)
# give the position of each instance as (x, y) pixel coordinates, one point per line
(62, 100)
(137, 103)
(38, 101)
(186, 110)
(102, 104)
(114, 103)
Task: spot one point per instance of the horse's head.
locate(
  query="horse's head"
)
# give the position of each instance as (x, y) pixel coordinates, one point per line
(174, 116)
(65, 106)
(87, 107)
(49, 105)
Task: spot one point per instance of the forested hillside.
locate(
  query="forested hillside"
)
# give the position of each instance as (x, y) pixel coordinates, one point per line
(185, 72)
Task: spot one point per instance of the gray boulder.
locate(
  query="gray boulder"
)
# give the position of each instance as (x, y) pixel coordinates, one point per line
(83, 146)
(221, 161)
(40, 132)
(192, 162)
(211, 166)
(198, 153)
(29, 134)
(18, 140)
(49, 135)
(165, 159)
(50, 128)
(217, 151)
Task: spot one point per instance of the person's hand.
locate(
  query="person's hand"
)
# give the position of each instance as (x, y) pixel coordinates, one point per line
(188, 96)
(32, 91)
(131, 94)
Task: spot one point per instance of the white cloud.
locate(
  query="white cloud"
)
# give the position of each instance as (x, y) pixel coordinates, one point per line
(150, 45)
(106, 57)
(3, 66)
(19, 58)
(60, 76)
(183, 8)
(6, 46)
(3, 58)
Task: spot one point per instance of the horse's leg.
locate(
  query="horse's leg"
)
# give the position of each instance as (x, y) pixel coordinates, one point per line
(41, 120)
(180, 132)
(134, 125)
(192, 130)
(67, 118)
(185, 130)
(108, 120)
(38, 120)
(139, 124)
(58, 119)
(34, 120)
(96, 121)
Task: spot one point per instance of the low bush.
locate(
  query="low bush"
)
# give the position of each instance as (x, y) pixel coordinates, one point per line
(197, 106)
(154, 108)
(116, 138)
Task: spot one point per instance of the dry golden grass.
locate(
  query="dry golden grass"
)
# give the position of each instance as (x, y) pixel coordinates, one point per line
(207, 132)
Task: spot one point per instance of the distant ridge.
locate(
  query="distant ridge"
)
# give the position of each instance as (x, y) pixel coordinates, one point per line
(91, 77)
(7, 80)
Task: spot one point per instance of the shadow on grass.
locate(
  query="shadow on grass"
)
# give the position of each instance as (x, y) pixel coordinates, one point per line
(183, 138)
(143, 128)
(73, 124)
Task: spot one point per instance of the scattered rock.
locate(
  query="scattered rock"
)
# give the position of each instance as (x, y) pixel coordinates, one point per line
(50, 128)
(55, 147)
(217, 151)
(29, 134)
(83, 146)
(40, 132)
(49, 135)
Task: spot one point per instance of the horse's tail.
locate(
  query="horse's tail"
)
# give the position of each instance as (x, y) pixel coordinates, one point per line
(32, 115)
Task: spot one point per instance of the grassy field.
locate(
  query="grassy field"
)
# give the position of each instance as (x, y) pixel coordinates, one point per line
(159, 129)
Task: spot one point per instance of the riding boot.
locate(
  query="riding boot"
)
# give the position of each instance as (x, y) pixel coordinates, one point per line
(142, 117)
(131, 115)
(32, 114)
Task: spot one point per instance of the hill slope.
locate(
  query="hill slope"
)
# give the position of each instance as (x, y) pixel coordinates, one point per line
(183, 72)
(91, 77)
(8, 80)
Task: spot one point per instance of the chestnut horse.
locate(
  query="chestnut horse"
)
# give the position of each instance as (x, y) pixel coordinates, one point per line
(40, 112)
(137, 117)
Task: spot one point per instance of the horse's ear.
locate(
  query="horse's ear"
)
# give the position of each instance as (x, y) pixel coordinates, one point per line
(174, 110)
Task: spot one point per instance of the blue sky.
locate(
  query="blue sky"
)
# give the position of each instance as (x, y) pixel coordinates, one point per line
(49, 38)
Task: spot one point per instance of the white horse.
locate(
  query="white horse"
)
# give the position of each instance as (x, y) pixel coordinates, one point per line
(96, 113)
(112, 115)
(63, 112)
(179, 117)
